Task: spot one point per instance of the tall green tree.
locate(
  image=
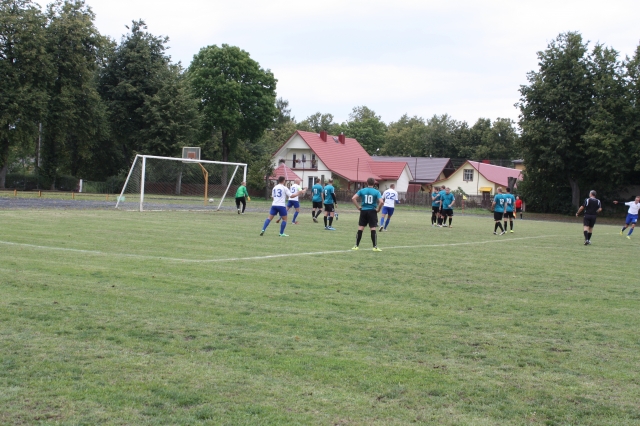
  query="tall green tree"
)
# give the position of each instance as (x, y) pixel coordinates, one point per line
(367, 127)
(632, 127)
(24, 74)
(497, 140)
(318, 122)
(151, 109)
(236, 96)
(76, 116)
(555, 109)
(405, 137)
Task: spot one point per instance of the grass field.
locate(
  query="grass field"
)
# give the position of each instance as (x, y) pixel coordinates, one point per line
(110, 317)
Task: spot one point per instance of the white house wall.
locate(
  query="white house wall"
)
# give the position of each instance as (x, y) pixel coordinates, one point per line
(296, 145)
(472, 188)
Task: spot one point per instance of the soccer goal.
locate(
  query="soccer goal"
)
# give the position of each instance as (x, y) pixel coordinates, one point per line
(167, 183)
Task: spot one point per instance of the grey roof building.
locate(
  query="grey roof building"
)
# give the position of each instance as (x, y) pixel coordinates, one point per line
(425, 170)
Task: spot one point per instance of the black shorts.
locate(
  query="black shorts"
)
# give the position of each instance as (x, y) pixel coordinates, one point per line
(368, 218)
(435, 209)
(518, 209)
(589, 221)
(317, 204)
(328, 208)
(497, 215)
(447, 212)
(509, 215)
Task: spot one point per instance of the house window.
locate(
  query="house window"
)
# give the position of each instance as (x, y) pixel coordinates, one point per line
(294, 162)
(468, 175)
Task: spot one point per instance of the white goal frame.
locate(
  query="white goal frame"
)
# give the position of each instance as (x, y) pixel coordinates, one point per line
(143, 158)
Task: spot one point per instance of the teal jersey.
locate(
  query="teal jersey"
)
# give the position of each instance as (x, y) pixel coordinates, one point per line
(441, 194)
(329, 194)
(500, 203)
(447, 200)
(369, 198)
(435, 198)
(510, 201)
(316, 190)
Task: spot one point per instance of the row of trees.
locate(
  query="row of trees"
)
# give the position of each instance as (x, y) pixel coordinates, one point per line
(580, 123)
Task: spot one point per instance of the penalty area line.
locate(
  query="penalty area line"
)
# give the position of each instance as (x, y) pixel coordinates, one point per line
(265, 257)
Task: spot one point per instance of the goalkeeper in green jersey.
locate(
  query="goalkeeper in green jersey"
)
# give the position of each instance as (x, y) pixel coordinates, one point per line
(241, 197)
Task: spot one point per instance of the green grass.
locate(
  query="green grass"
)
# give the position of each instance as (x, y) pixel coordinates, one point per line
(110, 317)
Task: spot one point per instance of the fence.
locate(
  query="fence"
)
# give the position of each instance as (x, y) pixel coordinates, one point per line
(424, 199)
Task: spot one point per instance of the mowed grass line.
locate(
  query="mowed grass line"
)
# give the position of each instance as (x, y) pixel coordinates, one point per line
(540, 331)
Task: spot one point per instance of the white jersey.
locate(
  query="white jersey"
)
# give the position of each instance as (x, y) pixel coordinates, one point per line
(633, 207)
(295, 188)
(280, 194)
(390, 197)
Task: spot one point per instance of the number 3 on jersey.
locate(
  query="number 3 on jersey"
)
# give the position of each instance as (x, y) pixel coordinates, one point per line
(277, 193)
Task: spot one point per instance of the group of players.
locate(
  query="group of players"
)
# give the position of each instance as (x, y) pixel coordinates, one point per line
(368, 200)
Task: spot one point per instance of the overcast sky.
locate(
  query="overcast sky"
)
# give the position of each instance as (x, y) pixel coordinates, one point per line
(420, 57)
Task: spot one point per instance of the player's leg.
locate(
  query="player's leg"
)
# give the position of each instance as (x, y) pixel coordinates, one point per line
(389, 214)
(268, 220)
(450, 214)
(243, 200)
(358, 234)
(238, 204)
(283, 225)
(331, 216)
(295, 215)
(372, 218)
(326, 213)
(633, 226)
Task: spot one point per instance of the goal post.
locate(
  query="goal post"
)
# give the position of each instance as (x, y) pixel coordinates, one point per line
(168, 183)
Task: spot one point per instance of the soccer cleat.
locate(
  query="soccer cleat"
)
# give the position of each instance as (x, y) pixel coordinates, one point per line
(295, 223)
(503, 232)
(588, 242)
(238, 211)
(628, 237)
(330, 228)
(381, 229)
(326, 228)
(315, 220)
(621, 232)
(511, 231)
(495, 233)
(262, 232)
(355, 248)
(283, 235)
(376, 249)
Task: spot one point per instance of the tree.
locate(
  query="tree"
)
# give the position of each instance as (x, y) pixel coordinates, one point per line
(554, 113)
(24, 67)
(76, 116)
(367, 127)
(318, 122)
(237, 97)
(497, 140)
(632, 113)
(405, 137)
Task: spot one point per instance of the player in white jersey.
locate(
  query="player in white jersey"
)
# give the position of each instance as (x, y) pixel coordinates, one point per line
(390, 197)
(632, 215)
(293, 201)
(279, 193)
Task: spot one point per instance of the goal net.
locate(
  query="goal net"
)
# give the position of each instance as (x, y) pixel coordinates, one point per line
(166, 183)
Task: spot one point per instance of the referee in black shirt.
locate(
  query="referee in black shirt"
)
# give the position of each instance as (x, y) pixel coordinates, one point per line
(591, 209)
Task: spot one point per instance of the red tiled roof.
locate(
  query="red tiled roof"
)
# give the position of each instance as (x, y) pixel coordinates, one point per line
(496, 174)
(388, 169)
(284, 170)
(348, 160)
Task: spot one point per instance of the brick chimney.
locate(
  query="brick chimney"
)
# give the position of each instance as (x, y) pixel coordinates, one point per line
(342, 138)
(323, 135)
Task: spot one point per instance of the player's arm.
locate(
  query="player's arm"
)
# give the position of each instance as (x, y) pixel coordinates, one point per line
(333, 195)
(322, 195)
(355, 200)
(380, 204)
(580, 210)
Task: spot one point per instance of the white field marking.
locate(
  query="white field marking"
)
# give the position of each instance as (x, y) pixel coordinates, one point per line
(272, 256)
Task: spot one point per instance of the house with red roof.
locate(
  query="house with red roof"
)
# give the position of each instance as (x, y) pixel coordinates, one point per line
(284, 170)
(320, 155)
(479, 178)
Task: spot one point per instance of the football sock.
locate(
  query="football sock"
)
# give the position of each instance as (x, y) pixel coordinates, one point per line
(500, 226)
(325, 221)
(439, 221)
(450, 220)
(630, 231)
(387, 224)
(495, 228)
(330, 220)
(589, 236)
(511, 224)
(586, 235)
(505, 225)
(313, 214)
(623, 228)
(283, 225)
(374, 238)
(520, 215)
(358, 237)
(266, 223)
(382, 221)
(295, 216)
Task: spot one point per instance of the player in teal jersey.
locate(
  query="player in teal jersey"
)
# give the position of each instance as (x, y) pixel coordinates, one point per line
(448, 201)
(498, 211)
(316, 192)
(440, 216)
(329, 200)
(435, 205)
(509, 210)
(371, 202)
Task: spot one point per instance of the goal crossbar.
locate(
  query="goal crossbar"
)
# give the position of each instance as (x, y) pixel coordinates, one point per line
(143, 159)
